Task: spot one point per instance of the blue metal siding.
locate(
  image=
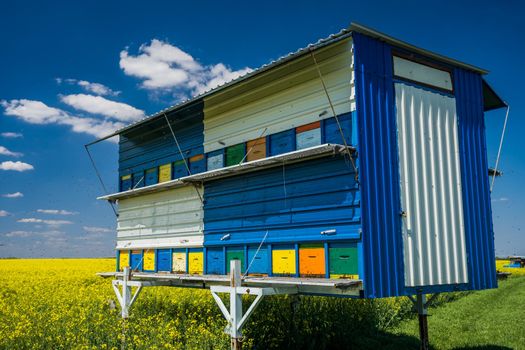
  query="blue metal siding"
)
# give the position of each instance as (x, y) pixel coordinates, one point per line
(378, 168)
(475, 181)
(295, 204)
(151, 144)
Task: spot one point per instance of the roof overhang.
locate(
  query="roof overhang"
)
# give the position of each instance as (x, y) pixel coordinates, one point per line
(491, 99)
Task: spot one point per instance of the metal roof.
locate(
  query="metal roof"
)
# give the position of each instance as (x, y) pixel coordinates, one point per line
(341, 35)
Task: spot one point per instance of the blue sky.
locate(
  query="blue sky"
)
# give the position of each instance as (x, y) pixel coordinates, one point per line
(72, 71)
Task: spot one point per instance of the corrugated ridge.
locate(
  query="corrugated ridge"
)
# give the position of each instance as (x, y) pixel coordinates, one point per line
(433, 230)
(378, 168)
(297, 203)
(476, 194)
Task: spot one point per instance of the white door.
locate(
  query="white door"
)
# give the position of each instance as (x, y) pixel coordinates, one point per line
(430, 175)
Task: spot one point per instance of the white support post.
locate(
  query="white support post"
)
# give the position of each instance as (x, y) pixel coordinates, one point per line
(234, 316)
(235, 304)
(125, 298)
(126, 294)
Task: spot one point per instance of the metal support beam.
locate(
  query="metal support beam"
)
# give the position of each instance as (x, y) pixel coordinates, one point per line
(421, 307)
(235, 317)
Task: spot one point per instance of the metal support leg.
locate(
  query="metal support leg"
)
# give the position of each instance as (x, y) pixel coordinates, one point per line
(422, 311)
(234, 316)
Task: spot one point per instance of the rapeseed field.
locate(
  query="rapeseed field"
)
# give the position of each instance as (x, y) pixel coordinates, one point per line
(63, 304)
(500, 266)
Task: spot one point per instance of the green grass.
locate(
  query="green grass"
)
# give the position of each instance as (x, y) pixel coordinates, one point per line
(490, 319)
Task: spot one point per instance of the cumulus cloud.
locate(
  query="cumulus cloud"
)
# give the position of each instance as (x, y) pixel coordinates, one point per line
(5, 152)
(4, 213)
(15, 166)
(100, 105)
(13, 195)
(163, 66)
(95, 229)
(95, 88)
(43, 221)
(56, 211)
(37, 112)
(11, 135)
(34, 112)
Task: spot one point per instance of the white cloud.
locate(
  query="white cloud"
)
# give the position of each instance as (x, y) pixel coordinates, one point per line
(19, 234)
(56, 212)
(11, 135)
(4, 213)
(95, 88)
(15, 166)
(94, 229)
(164, 66)
(102, 106)
(52, 234)
(5, 152)
(36, 112)
(13, 195)
(501, 199)
(47, 222)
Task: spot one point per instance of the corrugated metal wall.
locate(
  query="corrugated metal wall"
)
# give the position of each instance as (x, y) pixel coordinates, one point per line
(170, 218)
(295, 203)
(152, 144)
(433, 230)
(476, 195)
(378, 168)
(283, 98)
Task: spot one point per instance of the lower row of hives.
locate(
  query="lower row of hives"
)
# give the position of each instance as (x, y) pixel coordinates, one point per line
(328, 260)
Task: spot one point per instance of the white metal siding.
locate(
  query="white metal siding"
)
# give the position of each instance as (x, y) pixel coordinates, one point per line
(172, 218)
(283, 98)
(433, 229)
(419, 72)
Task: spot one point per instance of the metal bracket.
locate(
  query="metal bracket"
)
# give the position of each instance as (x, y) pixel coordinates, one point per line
(235, 317)
(125, 298)
(421, 303)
